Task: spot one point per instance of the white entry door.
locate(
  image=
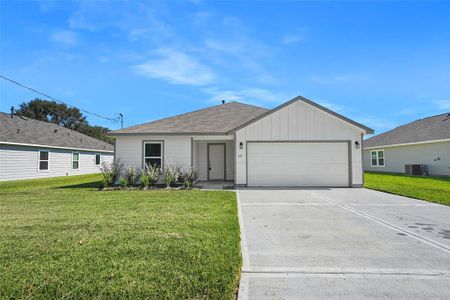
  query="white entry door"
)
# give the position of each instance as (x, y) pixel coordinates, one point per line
(298, 164)
(216, 161)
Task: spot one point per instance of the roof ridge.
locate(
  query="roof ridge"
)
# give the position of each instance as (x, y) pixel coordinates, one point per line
(191, 112)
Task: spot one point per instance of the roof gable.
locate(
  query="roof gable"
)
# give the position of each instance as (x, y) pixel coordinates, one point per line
(212, 120)
(309, 102)
(20, 130)
(422, 130)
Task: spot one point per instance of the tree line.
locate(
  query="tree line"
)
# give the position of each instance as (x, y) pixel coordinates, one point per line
(63, 115)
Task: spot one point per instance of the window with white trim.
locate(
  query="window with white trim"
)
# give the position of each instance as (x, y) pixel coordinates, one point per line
(43, 160)
(153, 154)
(98, 159)
(75, 160)
(377, 158)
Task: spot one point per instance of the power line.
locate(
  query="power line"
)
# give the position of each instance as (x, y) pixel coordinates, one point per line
(114, 120)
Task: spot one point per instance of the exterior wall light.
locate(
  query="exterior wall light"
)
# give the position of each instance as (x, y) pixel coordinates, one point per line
(357, 144)
(241, 145)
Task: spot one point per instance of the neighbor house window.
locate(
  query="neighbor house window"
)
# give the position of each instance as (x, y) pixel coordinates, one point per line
(153, 154)
(75, 160)
(97, 159)
(377, 158)
(43, 160)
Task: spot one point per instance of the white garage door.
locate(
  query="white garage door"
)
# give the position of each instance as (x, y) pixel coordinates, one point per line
(298, 164)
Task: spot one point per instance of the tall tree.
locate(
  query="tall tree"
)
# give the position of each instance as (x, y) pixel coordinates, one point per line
(61, 114)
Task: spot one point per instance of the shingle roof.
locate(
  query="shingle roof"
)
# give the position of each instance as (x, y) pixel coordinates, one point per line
(22, 130)
(216, 119)
(427, 129)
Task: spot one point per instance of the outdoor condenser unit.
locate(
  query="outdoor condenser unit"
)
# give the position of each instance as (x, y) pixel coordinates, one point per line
(414, 169)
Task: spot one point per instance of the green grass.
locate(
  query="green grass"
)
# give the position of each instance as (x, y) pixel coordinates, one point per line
(432, 189)
(61, 238)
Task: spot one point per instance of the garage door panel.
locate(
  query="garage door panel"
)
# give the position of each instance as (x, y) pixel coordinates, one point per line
(298, 164)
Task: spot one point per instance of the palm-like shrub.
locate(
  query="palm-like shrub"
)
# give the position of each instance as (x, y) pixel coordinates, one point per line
(122, 182)
(145, 181)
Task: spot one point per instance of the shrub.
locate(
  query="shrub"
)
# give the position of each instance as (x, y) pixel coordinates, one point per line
(190, 175)
(145, 180)
(110, 172)
(153, 173)
(130, 174)
(170, 175)
(122, 182)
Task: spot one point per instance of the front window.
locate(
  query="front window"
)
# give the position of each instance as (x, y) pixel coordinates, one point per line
(153, 154)
(97, 159)
(75, 160)
(43, 160)
(377, 158)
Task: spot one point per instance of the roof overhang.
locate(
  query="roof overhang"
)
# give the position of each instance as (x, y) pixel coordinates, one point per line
(406, 144)
(366, 129)
(117, 134)
(55, 147)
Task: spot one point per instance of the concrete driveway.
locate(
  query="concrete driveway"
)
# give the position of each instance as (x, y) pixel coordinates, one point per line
(342, 243)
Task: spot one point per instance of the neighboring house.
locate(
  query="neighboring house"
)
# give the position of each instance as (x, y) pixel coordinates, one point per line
(425, 141)
(36, 149)
(299, 143)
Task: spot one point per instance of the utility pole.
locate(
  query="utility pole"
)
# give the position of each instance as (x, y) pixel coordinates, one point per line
(121, 120)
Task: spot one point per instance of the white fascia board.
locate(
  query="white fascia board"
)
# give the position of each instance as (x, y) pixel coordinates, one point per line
(407, 144)
(55, 147)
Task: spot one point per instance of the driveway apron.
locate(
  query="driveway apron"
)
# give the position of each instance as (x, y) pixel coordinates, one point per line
(342, 243)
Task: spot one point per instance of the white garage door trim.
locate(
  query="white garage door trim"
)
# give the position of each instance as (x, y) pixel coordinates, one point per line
(349, 152)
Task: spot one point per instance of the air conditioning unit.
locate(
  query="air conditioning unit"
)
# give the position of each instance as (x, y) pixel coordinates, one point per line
(414, 169)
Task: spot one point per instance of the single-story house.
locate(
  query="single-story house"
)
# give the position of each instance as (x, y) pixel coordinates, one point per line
(298, 143)
(423, 142)
(36, 149)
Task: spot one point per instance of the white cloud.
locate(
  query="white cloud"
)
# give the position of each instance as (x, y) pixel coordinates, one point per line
(176, 67)
(343, 78)
(443, 104)
(409, 111)
(290, 39)
(255, 96)
(328, 80)
(332, 106)
(65, 37)
(246, 54)
(378, 124)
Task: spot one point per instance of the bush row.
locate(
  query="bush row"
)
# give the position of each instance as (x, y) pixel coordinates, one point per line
(129, 176)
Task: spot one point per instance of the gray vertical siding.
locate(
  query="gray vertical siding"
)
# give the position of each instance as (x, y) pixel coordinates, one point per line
(427, 154)
(21, 162)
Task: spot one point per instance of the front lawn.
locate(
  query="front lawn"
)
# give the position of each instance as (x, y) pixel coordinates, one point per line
(433, 189)
(61, 238)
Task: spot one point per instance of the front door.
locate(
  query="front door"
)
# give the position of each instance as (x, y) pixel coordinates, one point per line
(216, 161)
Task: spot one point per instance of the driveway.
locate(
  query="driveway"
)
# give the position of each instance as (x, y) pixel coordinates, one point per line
(342, 243)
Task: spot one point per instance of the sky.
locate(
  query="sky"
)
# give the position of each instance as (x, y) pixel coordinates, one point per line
(382, 64)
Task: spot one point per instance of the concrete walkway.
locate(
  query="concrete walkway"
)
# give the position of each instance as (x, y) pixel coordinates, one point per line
(342, 243)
